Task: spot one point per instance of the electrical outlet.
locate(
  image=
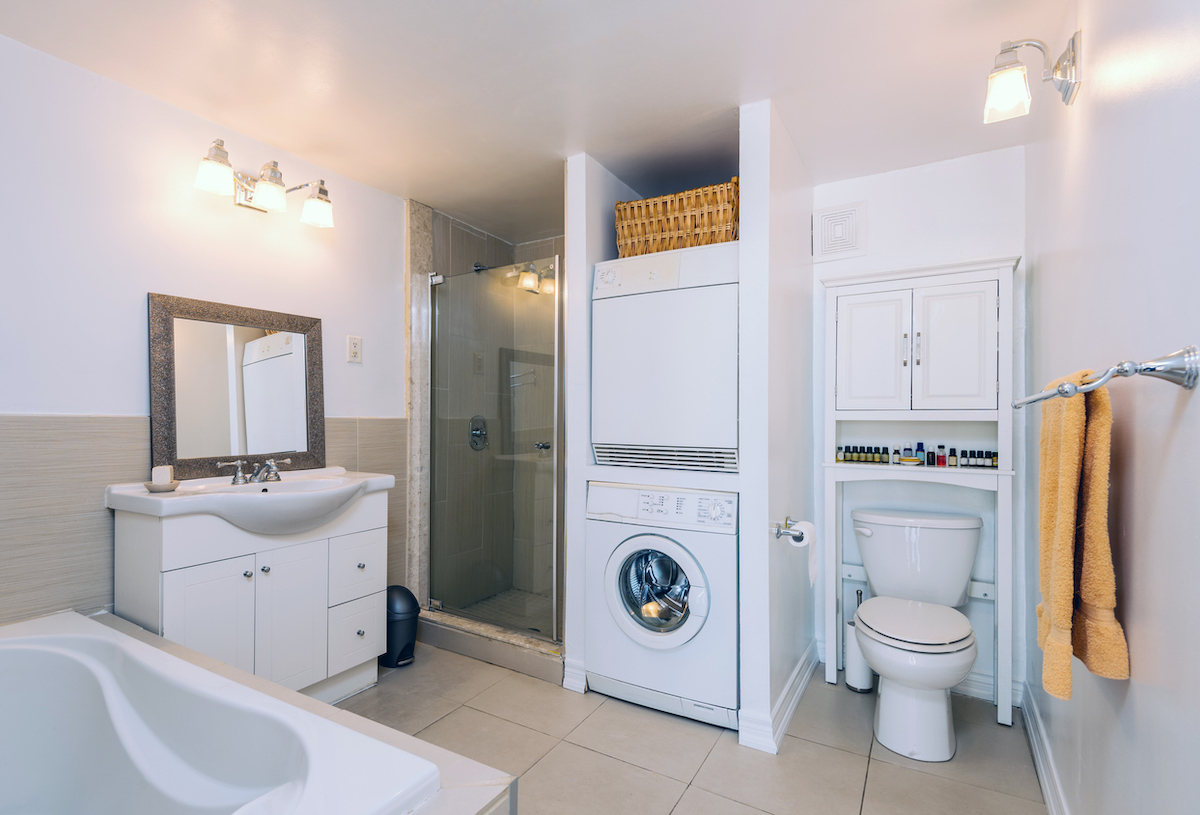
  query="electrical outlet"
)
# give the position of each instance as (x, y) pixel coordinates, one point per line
(354, 349)
(478, 363)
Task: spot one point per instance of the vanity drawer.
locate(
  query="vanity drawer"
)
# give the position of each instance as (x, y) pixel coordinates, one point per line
(357, 565)
(347, 646)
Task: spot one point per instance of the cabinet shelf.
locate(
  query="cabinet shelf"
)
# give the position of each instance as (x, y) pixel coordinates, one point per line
(982, 479)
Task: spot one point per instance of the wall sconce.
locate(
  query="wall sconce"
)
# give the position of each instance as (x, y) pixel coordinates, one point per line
(1008, 85)
(266, 193)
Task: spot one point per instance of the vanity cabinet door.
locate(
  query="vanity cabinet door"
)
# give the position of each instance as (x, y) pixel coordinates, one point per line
(874, 334)
(291, 625)
(210, 608)
(956, 346)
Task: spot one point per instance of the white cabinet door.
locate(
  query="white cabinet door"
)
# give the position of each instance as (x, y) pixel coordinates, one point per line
(210, 608)
(873, 342)
(955, 347)
(291, 618)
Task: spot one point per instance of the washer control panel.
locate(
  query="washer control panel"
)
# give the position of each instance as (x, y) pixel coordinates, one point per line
(688, 508)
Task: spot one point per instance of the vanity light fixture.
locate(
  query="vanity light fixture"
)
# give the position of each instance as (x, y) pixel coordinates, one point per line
(1008, 84)
(530, 281)
(266, 193)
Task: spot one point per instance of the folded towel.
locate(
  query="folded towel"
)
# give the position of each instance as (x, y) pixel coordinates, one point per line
(1077, 581)
(1096, 636)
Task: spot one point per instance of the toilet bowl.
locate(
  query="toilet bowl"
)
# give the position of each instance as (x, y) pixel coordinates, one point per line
(912, 714)
(918, 565)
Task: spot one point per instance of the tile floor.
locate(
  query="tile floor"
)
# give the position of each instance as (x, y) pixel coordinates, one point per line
(592, 754)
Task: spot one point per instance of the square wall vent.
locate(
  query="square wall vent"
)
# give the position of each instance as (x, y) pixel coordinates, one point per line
(840, 232)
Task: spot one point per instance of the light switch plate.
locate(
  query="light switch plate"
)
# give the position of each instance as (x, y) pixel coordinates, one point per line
(354, 349)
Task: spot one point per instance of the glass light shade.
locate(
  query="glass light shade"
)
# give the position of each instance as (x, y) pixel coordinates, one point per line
(511, 276)
(548, 286)
(268, 196)
(1008, 94)
(317, 212)
(529, 281)
(215, 177)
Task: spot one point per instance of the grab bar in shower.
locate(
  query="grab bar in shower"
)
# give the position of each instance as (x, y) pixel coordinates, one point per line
(1181, 367)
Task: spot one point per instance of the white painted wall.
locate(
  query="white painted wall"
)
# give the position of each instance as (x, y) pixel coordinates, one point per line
(775, 420)
(1113, 247)
(100, 209)
(965, 209)
(591, 196)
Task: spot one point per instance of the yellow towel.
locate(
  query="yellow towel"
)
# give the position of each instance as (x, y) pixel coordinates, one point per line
(1073, 503)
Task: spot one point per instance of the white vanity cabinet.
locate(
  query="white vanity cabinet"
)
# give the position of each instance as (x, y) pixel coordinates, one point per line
(925, 348)
(304, 609)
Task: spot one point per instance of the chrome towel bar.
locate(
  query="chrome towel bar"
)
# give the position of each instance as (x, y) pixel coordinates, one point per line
(1181, 367)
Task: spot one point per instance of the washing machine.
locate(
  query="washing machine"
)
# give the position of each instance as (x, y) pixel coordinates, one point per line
(661, 599)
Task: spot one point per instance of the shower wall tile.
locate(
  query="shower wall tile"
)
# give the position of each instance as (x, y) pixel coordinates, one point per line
(522, 564)
(441, 243)
(499, 253)
(467, 247)
(543, 562)
(56, 562)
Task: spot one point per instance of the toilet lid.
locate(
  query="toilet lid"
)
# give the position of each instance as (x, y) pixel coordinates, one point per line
(913, 621)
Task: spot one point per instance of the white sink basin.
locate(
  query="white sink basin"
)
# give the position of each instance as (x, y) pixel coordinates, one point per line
(303, 500)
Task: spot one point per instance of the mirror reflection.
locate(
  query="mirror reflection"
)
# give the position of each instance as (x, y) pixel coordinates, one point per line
(240, 390)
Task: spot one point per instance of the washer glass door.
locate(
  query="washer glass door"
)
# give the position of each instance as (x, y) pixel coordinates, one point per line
(656, 591)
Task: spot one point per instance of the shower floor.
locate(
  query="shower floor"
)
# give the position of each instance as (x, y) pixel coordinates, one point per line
(517, 609)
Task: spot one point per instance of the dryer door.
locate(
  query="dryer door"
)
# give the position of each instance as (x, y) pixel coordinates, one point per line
(656, 591)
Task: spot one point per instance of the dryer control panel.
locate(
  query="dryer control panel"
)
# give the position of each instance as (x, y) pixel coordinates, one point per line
(677, 508)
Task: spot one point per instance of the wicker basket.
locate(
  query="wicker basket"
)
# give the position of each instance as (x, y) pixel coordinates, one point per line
(693, 218)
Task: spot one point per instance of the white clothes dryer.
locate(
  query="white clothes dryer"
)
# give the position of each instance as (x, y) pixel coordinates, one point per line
(661, 599)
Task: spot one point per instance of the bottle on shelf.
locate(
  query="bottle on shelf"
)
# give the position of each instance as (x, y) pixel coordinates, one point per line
(941, 455)
(931, 457)
(841, 454)
(951, 460)
(995, 458)
(920, 451)
(895, 455)
(908, 451)
(876, 457)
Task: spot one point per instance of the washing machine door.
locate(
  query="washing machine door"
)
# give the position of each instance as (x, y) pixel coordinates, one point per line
(656, 591)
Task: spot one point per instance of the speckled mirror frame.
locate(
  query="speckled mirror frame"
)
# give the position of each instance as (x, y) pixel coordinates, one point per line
(163, 311)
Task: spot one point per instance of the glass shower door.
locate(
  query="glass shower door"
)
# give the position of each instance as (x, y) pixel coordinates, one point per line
(494, 457)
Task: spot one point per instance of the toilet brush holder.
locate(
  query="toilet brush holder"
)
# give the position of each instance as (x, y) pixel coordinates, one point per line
(859, 677)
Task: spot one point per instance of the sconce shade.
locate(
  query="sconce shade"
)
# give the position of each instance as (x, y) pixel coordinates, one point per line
(529, 281)
(214, 177)
(548, 286)
(317, 212)
(1007, 95)
(215, 174)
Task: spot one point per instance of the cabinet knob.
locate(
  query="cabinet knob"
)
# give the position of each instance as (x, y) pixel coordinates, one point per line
(247, 573)
(362, 565)
(266, 569)
(361, 633)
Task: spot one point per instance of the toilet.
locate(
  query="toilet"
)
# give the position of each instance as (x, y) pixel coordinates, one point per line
(918, 566)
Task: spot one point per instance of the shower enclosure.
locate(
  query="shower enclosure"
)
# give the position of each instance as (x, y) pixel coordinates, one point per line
(494, 488)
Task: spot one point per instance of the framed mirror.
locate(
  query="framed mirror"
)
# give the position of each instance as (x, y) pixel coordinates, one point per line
(228, 382)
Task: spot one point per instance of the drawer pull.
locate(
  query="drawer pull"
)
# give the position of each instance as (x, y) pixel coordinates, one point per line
(266, 569)
(361, 633)
(362, 565)
(247, 573)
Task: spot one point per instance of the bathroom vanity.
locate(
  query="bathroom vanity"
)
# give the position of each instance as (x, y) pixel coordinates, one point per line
(301, 607)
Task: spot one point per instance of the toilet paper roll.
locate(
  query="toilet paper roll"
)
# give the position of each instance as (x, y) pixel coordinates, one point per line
(810, 534)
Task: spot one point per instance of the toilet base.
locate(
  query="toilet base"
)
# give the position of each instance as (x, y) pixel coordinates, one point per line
(914, 722)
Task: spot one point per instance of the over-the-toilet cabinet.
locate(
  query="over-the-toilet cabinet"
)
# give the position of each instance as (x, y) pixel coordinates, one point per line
(933, 347)
(293, 609)
(925, 354)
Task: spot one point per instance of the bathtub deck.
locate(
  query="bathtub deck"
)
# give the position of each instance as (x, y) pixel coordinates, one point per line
(468, 787)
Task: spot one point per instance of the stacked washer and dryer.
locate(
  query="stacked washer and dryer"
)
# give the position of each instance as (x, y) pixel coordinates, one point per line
(661, 606)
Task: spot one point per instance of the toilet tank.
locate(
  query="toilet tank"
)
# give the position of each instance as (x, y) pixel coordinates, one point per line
(923, 556)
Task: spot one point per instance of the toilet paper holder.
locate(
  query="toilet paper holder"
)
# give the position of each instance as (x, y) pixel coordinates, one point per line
(790, 528)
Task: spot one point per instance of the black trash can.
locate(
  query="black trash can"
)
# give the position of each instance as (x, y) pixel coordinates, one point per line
(402, 611)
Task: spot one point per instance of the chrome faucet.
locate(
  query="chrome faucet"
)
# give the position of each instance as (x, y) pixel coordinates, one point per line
(268, 470)
(239, 477)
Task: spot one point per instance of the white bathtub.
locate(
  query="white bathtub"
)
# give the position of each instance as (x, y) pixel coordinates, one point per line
(93, 721)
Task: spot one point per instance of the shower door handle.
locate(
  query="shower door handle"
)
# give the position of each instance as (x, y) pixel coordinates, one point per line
(541, 445)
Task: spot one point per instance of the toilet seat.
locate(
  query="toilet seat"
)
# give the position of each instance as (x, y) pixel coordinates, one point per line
(911, 625)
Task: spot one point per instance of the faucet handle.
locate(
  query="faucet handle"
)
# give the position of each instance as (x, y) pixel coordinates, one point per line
(239, 477)
(273, 468)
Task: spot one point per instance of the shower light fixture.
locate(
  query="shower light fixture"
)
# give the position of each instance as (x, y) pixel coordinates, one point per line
(530, 281)
(1008, 84)
(266, 193)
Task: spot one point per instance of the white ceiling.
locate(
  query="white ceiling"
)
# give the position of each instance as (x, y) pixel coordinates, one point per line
(470, 106)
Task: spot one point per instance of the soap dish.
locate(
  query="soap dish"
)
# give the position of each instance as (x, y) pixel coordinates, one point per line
(168, 487)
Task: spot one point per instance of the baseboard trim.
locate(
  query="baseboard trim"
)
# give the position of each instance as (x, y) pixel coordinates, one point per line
(759, 732)
(574, 675)
(979, 686)
(1043, 759)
